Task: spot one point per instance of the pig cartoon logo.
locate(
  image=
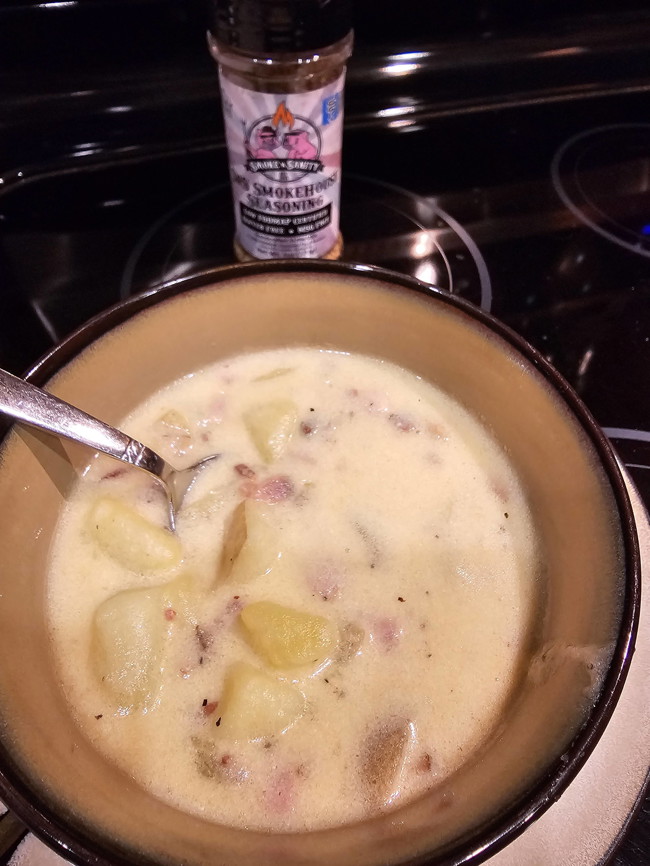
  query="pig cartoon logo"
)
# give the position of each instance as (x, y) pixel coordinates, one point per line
(283, 146)
(298, 145)
(266, 143)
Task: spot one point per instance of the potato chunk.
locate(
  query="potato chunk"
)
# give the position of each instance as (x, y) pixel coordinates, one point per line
(128, 637)
(285, 637)
(271, 426)
(383, 757)
(274, 374)
(130, 539)
(251, 543)
(174, 430)
(255, 704)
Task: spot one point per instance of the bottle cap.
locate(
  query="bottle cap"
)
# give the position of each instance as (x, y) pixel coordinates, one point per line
(272, 26)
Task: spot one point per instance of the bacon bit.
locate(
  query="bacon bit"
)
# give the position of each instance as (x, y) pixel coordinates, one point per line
(274, 489)
(402, 423)
(100, 716)
(501, 488)
(437, 431)
(234, 606)
(245, 471)
(170, 613)
(387, 632)
(424, 764)
(306, 428)
(209, 708)
(279, 797)
(325, 578)
(114, 473)
(216, 410)
(399, 598)
(225, 760)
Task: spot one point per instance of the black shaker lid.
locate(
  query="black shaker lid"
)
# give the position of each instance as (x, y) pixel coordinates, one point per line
(270, 26)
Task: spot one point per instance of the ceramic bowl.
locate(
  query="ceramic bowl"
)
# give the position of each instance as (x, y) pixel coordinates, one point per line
(90, 811)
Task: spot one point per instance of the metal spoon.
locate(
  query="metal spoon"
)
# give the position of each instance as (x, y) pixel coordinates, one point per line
(38, 408)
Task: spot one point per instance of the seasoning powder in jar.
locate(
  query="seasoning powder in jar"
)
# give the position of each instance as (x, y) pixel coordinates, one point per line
(282, 74)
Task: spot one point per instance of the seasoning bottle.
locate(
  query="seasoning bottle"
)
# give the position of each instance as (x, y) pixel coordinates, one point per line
(282, 73)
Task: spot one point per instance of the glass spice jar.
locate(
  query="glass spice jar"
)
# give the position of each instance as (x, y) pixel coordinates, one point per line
(282, 72)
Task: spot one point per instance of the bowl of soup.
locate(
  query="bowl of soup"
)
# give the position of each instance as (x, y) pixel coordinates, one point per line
(395, 613)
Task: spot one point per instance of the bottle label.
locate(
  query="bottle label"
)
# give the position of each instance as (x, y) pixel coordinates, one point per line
(285, 167)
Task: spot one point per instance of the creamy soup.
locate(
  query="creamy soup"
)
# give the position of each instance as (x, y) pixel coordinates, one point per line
(342, 615)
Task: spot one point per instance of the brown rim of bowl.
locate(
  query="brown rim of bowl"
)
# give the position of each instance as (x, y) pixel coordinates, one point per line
(494, 835)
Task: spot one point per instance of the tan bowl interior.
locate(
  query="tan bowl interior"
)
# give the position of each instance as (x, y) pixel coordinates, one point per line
(577, 521)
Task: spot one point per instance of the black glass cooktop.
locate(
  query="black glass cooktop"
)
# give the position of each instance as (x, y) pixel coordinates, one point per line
(536, 208)
(558, 248)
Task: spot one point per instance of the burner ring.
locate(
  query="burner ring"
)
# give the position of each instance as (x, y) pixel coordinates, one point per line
(382, 224)
(603, 177)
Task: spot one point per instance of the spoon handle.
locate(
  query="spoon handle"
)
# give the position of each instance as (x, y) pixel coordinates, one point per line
(31, 405)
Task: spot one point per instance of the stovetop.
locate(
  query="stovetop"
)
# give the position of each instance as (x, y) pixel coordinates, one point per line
(508, 166)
